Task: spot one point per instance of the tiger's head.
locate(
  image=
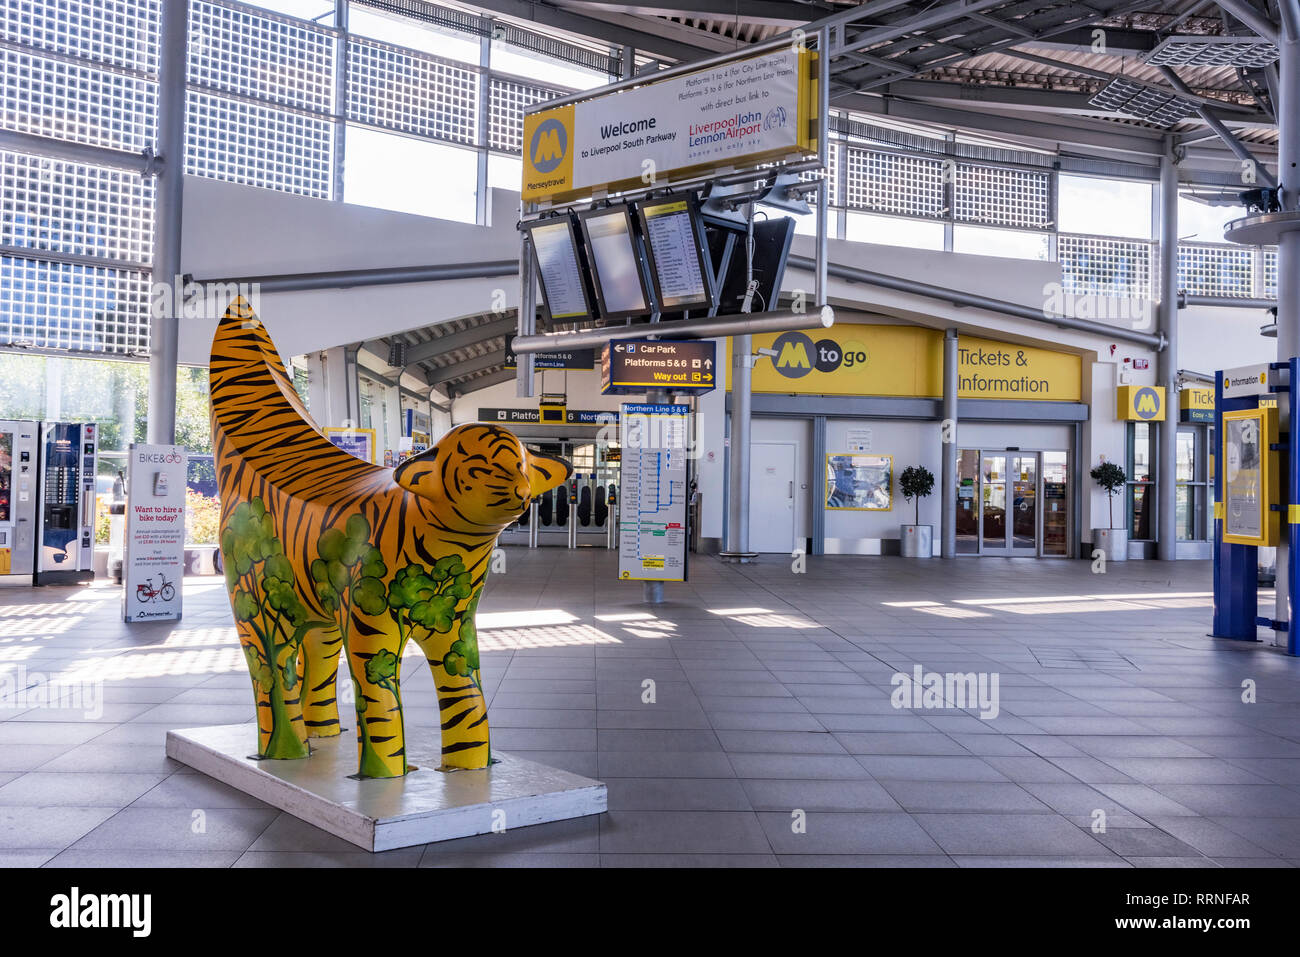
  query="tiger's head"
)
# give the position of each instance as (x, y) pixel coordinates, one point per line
(483, 473)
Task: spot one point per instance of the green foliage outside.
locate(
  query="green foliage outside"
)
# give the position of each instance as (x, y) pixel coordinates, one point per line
(202, 518)
(260, 580)
(114, 394)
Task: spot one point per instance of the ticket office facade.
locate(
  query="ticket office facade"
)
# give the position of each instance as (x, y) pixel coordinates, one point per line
(839, 415)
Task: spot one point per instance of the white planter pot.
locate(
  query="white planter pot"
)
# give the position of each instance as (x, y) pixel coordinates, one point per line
(915, 541)
(1113, 542)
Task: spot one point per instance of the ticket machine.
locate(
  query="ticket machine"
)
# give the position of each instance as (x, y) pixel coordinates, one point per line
(18, 495)
(65, 545)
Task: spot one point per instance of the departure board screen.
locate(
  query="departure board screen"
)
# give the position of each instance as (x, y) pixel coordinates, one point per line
(557, 265)
(614, 259)
(671, 235)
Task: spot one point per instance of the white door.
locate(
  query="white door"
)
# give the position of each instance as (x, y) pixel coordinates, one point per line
(771, 497)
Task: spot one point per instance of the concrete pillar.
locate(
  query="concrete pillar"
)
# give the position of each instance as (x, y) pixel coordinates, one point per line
(737, 546)
(948, 449)
(1288, 251)
(1167, 360)
(169, 195)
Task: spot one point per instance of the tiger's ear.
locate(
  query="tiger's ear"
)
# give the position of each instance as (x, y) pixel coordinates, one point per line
(419, 473)
(545, 473)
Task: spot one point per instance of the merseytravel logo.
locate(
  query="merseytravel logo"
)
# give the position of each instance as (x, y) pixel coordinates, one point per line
(797, 355)
(1146, 403)
(549, 146)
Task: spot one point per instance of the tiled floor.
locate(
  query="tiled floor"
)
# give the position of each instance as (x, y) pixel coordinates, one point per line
(771, 697)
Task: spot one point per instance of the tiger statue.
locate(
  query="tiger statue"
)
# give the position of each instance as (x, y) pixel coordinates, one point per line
(327, 556)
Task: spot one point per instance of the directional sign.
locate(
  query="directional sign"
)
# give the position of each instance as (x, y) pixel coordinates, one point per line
(572, 359)
(1248, 380)
(652, 532)
(526, 416)
(635, 365)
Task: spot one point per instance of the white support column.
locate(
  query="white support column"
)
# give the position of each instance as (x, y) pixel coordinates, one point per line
(1288, 250)
(170, 189)
(1167, 360)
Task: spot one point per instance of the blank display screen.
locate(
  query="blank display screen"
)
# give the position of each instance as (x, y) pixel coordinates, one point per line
(615, 260)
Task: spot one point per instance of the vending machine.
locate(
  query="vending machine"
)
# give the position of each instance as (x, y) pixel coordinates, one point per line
(65, 546)
(18, 495)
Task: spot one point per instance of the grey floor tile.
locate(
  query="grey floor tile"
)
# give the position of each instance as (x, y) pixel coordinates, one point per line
(404, 857)
(120, 857)
(1047, 835)
(178, 829)
(865, 860)
(847, 832)
(1130, 842)
(78, 789)
(931, 768)
(710, 832)
(689, 860)
(923, 796)
(676, 794)
(34, 827)
(786, 795)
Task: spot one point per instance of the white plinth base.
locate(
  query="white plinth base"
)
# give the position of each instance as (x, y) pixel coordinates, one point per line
(426, 805)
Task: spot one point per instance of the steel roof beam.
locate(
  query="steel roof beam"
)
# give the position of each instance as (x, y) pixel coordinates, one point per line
(440, 345)
(458, 370)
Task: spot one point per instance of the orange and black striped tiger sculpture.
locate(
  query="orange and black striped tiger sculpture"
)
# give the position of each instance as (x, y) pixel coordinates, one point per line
(328, 556)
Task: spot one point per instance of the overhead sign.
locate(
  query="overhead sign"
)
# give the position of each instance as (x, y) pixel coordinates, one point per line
(1248, 380)
(1140, 403)
(754, 108)
(678, 365)
(525, 416)
(572, 359)
(153, 561)
(1196, 405)
(653, 488)
(1250, 477)
(892, 360)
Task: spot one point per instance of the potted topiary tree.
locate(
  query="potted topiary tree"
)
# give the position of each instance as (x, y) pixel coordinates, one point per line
(1111, 540)
(916, 541)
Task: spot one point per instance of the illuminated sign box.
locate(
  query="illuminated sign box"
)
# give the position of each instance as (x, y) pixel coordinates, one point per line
(758, 107)
(1140, 403)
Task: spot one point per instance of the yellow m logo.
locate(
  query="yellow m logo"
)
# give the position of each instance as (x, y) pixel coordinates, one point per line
(548, 147)
(1147, 405)
(794, 354)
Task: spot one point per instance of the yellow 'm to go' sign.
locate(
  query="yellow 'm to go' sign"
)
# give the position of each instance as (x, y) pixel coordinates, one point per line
(1140, 403)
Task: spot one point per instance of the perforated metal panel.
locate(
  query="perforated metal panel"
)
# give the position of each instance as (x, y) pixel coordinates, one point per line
(1001, 196)
(61, 306)
(81, 210)
(122, 32)
(1251, 53)
(271, 58)
(404, 90)
(84, 104)
(242, 142)
(506, 106)
(1207, 269)
(894, 183)
(1104, 266)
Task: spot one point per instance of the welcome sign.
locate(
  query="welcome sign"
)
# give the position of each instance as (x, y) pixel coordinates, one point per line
(752, 109)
